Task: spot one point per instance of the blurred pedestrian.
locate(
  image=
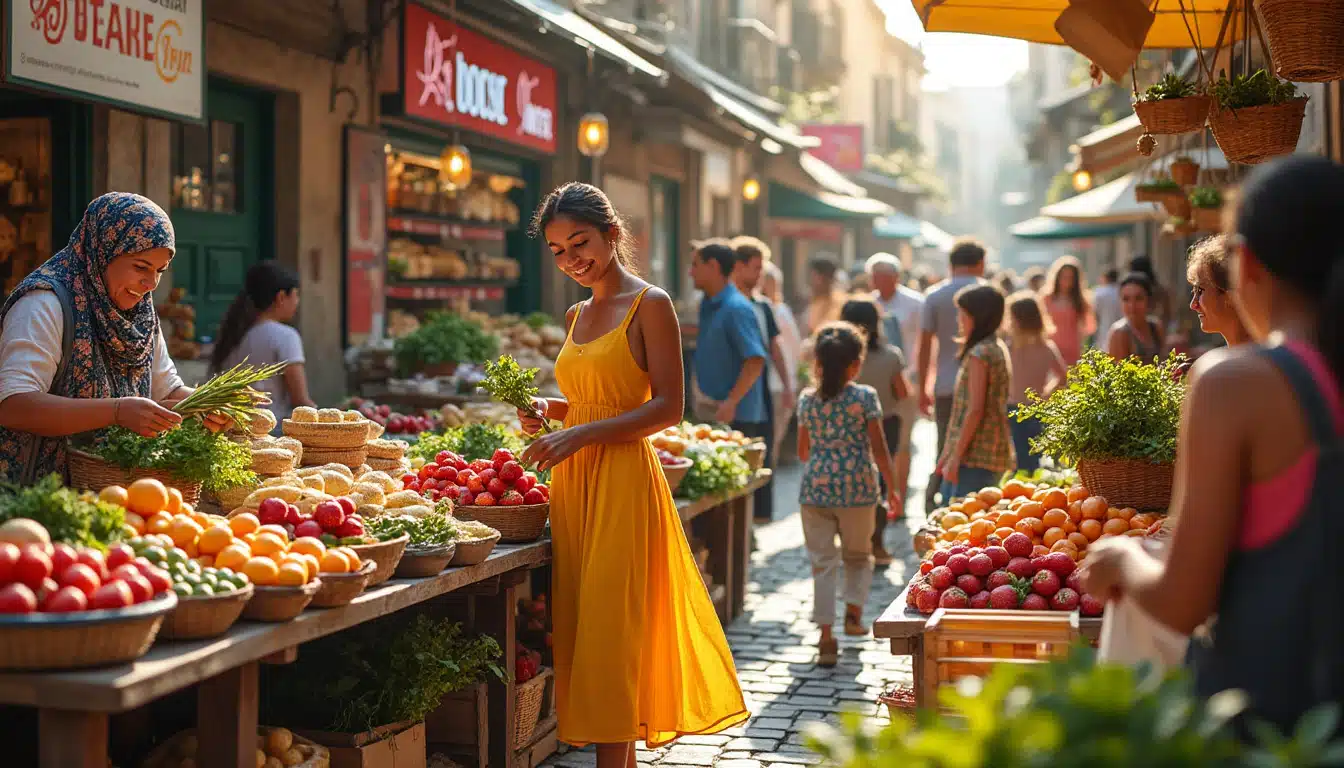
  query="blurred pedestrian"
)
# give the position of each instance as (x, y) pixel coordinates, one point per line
(790, 346)
(903, 310)
(1070, 311)
(1006, 282)
(1106, 305)
(825, 294)
(1137, 333)
(1161, 299)
(1036, 366)
(1034, 278)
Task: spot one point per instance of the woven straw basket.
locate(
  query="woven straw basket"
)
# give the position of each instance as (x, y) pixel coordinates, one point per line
(340, 588)
(196, 618)
(91, 473)
(350, 457)
(1306, 38)
(331, 435)
(755, 454)
(1128, 482)
(1253, 135)
(516, 525)
(1184, 172)
(1207, 219)
(675, 473)
(527, 707)
(280, 603)
(1169, 117)
(424, 562)
(386, 554)
(36, 641)
(473, 551)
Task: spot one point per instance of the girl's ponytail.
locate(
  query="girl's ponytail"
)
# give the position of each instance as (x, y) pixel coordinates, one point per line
(238, 319)
(838, 346)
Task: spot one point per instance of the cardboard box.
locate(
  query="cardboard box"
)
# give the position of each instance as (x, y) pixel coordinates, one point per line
(399, 745)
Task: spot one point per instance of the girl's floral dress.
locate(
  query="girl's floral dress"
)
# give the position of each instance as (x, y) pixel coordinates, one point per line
(840, 471)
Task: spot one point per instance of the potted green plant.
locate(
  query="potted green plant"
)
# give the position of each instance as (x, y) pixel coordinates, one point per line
(1184, 171)
(1206, 208)
(1255, 117)
(1172, 105)
(442, 342)
(1156, 189)
(1116, 421)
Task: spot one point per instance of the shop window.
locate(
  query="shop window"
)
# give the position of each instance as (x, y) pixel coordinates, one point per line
(206, 161)
(25, 198)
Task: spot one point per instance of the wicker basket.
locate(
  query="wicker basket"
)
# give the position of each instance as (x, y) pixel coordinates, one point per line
(349, 457)
(1176, 203)
(1169, 117)
(1207, 219)
(195, 618)
(675, 473)
(527, 707)
(35, 641)
(1185, 172)
(1253, 135)
(280, 603)
(176, 752)
(386, 554)
(1128, 482)
(340, 588)
(91, 473)
(424, 562)
(1306, 38)
(331, 435)
(899, 700)
(473, 551)
(1150, 194)
(516, 525)
(755, 454)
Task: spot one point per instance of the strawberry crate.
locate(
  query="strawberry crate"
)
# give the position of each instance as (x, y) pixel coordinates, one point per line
(968, 643)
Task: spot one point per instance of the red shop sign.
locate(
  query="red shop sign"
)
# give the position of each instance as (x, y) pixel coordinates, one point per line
(458, 78)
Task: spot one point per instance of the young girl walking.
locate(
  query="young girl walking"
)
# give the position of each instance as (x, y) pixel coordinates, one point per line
(842, 445)
(1036, 366)
(979, 447)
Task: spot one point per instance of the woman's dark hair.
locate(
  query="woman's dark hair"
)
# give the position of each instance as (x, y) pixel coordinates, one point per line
(1139, 279)
(1028, 319)
(1209, 254)
(966, 252)
(589, 205)
(837, 347)
(1032, 275)
(823, 266)
(864, 315)
(984, 303)
(264, 281)
(1288, 216)
(1076, 296)
(1143, 264)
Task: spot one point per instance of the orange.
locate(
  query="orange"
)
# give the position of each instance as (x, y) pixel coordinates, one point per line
(1055, 499)
(114, 494)
(292, 575)
(1014, 489)
(1136, 532)
(1008, 519)
(980, 529)
(261, 570)
(1078, 493)
(244, 524)
(214, 538)
(334, 562)
(268, 543)
(1069, 526)
(1038, 525)
(201, 519)
(146, 496)
(1063, 545)
(1039, 550)
(174, 503)
(233, 556)
(1094, 508)
(206, 561)
(1053, 536)
(1075, 511)
(1140, 522)
(954, 506)
(1091, 529)
(990, 496)
(973, 505)
(314, 567)
(184, 531)
(1055, 518)
(1127, 513)
(1003, 533)
(279, 530)
(952, 520)
(190, 549)
(1114, 527)
(1031, 509)
(307, 545)
(1079, 541)
(1039, 493)
(1025, 525)
(137, 522)
(351, 557)
(159, 522)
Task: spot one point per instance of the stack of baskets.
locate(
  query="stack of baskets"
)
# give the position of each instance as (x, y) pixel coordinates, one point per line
(388, 456)
(330, 436)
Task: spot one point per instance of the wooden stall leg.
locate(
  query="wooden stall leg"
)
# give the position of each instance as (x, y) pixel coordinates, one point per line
(72, 739)
(740, 524)
(495, 616)
(925, 684)
(226, 719)
(719, 539)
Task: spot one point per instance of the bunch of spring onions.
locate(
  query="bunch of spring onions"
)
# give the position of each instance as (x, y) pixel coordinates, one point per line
(230, 394)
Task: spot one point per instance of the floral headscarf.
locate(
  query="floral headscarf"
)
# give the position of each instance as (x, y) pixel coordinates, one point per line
(113, 350)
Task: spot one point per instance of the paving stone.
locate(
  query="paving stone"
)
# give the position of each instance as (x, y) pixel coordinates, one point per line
(808, 701)
(736, 754)
(705, 759)
(766, 733)
(752, 744)
(738, 764)
(680, 749)
(777, 723)
(716, 740)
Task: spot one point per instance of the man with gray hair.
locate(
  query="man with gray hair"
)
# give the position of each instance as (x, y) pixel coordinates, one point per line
(901, 310)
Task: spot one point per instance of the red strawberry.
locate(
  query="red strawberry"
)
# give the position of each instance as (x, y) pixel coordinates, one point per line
(981, 564)
(912, 593)
(524, 483)
(998, 579)
(484, 500)
(1045, 583)
(942, 577)
(511, 499)
(489, 473)
(980, 599)
(927, 600)
(1065, 600)
(1074, 581)
(940, 556)
(466, 498)
(957, 549)
(958, 564)
(453, 492)
(533, 496)
(545, 491)
(1090, 606)
(1060, 563)
(954, 598)
(973, 551)
(1021, 568)
(502, 456)
(1018, 544)
(1038, 563)
(925, 566)
(999, 555)
(496, 487)
(510, 472)
(969, 583)
(1003, 597)
(480, 465)
(1035, 603)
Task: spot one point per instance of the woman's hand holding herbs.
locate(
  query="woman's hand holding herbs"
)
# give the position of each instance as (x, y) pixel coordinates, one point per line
(554, 447)
(533, 419)
(143, 416)
(511, 384)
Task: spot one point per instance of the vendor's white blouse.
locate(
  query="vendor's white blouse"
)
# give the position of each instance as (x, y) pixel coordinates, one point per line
(30, 349)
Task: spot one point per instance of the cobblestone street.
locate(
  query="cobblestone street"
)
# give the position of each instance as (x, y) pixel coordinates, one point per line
(774, 644)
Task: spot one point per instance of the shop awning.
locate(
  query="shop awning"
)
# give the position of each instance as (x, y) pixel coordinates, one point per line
(1111, 203)
(789, 203)
(897, 226)
(757, 121)
(589, 35)
(1048, 228)
(930, 236)
(1034, 20)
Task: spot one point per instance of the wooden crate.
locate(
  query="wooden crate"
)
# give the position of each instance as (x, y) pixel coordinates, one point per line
(969, 643)
(460, 725)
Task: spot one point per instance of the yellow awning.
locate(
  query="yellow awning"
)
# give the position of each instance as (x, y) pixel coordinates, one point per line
(1034, 20)
(1111, 203)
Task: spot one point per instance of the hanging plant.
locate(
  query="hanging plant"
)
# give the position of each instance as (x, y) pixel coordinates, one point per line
(1256, 117)
(1156, 189)
(1171, 106)
(1185, 171)
(1206, 209)
(1306, 38)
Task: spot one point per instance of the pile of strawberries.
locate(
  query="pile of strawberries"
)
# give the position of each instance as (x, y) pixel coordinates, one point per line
(497, 481)
(1003, 576)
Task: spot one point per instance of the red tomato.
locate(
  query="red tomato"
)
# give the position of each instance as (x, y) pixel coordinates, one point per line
(49, 586)
(17, 598)
(82, 577)
(125, 571)
(95, 560)
(9, 557)
(33, 567)
(118, 555)
(114, 594)
(140, 587)
(65, 600)
(143, 565)
(159, 580)
(63, 556)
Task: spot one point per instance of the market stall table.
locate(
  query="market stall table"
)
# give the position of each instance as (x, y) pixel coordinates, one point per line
(904, 627)
(729, 541)
(74, 706)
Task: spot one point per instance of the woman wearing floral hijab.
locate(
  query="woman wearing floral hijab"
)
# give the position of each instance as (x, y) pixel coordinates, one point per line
(80, 345)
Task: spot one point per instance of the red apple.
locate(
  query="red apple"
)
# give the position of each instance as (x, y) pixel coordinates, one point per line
(114, 594)
(17, 598)
(309, 528)
(349, 528)
(329, 515)
(293, 515)
(272, 511)
(347, 504)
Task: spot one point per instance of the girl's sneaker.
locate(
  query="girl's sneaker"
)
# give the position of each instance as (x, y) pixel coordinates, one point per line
(881, 557)
(854, 625)
(828, 653)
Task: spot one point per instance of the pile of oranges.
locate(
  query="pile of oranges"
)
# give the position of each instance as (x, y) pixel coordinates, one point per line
(1057, 520)
(264, 553)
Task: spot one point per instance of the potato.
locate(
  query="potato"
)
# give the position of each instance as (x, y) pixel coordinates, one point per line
(291, 757)
(382, 479)
(287, 493)
(401, 499)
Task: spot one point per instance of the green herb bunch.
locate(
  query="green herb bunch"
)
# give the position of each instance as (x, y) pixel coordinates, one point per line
(1171, 86)
(1160, 183)
(1073, 713)
(230, 393)
(1255, 90)
(1206, 197)
(74, 518)
(190, 452)
(1111, 409)
(714, 470)
(386, 671)
(428, 531)
(511, 384)
(444, 337)
(1057, 478)
(538, 320)
(474, 441)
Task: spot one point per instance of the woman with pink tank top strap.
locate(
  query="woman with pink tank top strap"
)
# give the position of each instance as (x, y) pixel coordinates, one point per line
(1257, 547)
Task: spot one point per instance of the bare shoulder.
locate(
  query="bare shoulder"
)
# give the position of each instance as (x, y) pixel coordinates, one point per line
(572, 313)
(656, 303)
(1232, 375)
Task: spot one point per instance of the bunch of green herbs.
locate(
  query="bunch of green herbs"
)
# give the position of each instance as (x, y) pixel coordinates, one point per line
(75, 518)
(1206, 197)
(538, 320)
(444, 337)
(1258, 89)
(514, 385)
(1159, 184)
(190, 452)
(434, 530)
(230, 393)
(1111, 409)
(1171, 86)
(714, 470)
(1060, 477)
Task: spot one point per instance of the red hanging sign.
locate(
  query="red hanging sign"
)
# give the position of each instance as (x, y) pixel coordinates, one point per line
(458, 78)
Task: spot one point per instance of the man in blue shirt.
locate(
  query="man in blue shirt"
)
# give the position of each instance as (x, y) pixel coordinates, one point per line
(729, 353)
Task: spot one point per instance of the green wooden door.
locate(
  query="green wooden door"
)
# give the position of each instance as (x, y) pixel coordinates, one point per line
(221, 199)
(664, 266)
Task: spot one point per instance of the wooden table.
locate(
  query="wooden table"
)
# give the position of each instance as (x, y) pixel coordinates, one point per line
(729, 540)
(74, 706)
(904, 627)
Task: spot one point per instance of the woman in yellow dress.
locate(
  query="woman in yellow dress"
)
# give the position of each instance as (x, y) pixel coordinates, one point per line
(639, 652)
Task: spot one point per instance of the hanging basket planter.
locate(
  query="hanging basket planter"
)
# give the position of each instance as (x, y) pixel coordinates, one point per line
(1176, 204)
(1306, 38)
(1207, 219)
(1170, 117)
(1251, 135)
(1184, 171)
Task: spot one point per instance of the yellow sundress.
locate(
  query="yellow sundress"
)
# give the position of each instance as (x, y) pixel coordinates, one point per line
(639, 652)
